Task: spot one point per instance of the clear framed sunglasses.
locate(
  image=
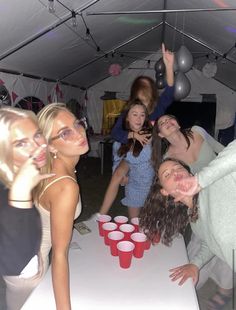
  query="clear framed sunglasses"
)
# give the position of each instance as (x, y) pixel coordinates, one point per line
(68, 134)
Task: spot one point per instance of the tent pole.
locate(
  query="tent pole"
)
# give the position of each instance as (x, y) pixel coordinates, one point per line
(164, 22)
(224, 55)
(113, 50)
(162, 11)
(37, 36)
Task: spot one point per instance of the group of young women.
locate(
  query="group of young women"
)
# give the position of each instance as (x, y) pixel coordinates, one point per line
(39, 198)
(138, 157)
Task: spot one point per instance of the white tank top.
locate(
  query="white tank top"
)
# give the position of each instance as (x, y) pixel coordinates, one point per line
(46, 242)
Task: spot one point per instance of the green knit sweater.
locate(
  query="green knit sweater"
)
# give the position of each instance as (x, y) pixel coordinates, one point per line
(217, 208)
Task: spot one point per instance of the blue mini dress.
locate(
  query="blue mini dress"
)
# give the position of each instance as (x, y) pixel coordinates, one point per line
(141, 175)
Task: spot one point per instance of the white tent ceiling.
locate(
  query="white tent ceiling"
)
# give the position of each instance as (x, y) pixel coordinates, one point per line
(46, 45)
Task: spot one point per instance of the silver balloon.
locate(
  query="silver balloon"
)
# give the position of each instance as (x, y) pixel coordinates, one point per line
(161, 82)
(184, 59)
(160, 66)
(182, 86)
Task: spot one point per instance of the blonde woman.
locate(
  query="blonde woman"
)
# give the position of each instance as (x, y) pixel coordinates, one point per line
(22, 153)
(58, 200)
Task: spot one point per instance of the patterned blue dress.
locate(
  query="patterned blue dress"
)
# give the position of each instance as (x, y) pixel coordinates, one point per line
(141, 175)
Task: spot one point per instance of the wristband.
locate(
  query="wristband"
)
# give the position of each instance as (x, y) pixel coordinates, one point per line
(20, 200)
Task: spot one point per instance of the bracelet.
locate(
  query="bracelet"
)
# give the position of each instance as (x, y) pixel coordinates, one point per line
(20, 200)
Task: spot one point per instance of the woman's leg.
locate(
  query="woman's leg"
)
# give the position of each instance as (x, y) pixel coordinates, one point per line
(113, 187)
(133, 212)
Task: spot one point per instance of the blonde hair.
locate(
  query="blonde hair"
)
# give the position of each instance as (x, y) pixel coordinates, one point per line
(8, 117)
(46, 118)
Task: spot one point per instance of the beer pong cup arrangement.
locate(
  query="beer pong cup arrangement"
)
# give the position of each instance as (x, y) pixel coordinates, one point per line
(139, 240)
(115, 237)
(108, 227)
(101, 220)
(119, 220)
(125, 251)
(125, 240)
(127, 229)
(135, 221)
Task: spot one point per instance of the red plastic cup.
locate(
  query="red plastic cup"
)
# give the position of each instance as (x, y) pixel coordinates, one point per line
(115, 237)
(135, 221)
(120, 219)
(157, 238)
(125, 252)
(139, 240)
(101, 220)
(108, 227)
(127, 229)
(147, 245)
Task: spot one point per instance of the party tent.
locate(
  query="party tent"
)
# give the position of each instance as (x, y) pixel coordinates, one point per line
(66, 50)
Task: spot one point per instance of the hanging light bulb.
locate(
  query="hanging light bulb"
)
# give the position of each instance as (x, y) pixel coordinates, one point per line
(51, 8)
(73, 18)
(223, 60)
(87, 35)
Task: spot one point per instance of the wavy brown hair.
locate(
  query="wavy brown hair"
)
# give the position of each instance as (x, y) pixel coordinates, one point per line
(161, 215)
(146, 85)
(134, 145)
(161, 145)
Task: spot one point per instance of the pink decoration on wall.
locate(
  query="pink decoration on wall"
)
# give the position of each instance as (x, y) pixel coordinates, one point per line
(49, 98)
(114, 69)
(14, 96)
(1, 82)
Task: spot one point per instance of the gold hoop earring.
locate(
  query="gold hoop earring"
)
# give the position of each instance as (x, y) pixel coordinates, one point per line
(55, 156)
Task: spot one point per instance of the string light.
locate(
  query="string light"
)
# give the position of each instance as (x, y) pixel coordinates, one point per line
(51, 8)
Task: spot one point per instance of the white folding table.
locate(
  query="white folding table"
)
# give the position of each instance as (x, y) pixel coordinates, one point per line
(98, 282)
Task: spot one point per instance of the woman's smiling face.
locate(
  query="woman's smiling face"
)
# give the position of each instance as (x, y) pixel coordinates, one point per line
(136, 117)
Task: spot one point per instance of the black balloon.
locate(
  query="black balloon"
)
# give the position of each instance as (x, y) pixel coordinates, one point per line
(184, 59)
(182, 86)
(159, 75)
(161, 82)
(160, 66)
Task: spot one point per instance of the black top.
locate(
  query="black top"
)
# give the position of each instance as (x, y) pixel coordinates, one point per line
(20, 235)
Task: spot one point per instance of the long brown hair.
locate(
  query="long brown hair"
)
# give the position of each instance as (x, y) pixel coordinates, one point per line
(134, 145)
(161, 145)
(161, 215)
(147, 85)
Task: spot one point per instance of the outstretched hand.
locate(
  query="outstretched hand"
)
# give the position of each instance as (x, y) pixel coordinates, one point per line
(143, 138)
(186, 187)
(29, 174)
(168, 56)
(184, 272)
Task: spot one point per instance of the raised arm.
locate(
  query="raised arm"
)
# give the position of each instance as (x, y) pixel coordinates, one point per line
(118, 133)
(167, 96)
(222, 165)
